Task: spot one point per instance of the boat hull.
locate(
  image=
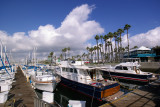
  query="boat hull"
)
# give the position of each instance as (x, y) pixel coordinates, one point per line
(89, 90)
(126, 76)
(50, 87)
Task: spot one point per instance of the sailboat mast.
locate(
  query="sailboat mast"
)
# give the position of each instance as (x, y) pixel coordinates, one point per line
(4, 55)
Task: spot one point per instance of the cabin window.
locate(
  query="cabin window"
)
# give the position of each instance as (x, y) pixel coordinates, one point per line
(118, 67)
(58, 68)
(67, 69)
(63, 69)
(81, 72)
(125, 68)
(71, 70)
(75, 71)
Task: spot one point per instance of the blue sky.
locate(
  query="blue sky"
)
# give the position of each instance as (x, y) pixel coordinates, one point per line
(28, 19)
(25, 15)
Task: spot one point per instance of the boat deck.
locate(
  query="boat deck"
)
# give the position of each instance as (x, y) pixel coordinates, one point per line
(21, 93)
(144, 97)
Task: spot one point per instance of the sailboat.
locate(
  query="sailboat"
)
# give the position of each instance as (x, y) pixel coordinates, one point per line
(6, 77)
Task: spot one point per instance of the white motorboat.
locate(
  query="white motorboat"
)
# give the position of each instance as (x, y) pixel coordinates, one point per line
(127, 71)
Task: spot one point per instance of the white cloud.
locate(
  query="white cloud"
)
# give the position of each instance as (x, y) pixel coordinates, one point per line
(148, 39)
(74, 32)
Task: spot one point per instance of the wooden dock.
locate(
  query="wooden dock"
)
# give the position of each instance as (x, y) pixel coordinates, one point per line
(143, 97)
(21, 93)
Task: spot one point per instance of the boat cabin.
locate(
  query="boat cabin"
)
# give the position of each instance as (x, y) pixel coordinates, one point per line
(82, 74)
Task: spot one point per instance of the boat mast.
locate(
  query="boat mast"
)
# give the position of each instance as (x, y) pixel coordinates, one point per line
(4, 55)
(1, 51)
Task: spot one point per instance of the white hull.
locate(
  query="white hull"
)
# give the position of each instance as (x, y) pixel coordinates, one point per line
(50, 87)
(3, 96)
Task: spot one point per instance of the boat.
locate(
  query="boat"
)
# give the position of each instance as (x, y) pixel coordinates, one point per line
(127, 71)
(45, 82)
(86, 80)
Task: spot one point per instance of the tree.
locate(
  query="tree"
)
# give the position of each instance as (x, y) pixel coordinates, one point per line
(91, 50)
(101, 37)
(105, 40)
(88, 52)
(120, 31)
(51, 56)
(94, 49)
(100, 47)
(110, 35)
(68, 49)
(126, 28)
(64, 51)
(115, 34)
(97, 38)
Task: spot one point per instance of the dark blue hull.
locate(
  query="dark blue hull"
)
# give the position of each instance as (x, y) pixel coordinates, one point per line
(126, 76)
(86, 89)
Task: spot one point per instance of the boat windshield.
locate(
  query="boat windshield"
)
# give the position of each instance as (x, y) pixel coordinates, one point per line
(83, 72)
(121, 68)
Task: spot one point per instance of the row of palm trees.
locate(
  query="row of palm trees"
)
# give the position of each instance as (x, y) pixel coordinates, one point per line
(107, 53)
(64, 52)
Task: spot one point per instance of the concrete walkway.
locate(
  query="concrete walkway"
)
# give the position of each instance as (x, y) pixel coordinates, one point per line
(21, 93)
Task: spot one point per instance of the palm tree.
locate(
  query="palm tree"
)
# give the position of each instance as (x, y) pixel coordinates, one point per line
(91, 50)
(118, 49)
(126, 28)
(101, 37)
(100, 48)
(83, 56)
(94, 49)
(115, 34)
(109, 51)
(64, 50)
(68, 49)
(110, 35)
(105, 40)
(61, 56)
(51, 56)
(87, 48)
(120, 31)
(97, 38)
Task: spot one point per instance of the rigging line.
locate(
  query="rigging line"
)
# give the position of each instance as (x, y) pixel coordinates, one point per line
(6, 55)
(4, 65)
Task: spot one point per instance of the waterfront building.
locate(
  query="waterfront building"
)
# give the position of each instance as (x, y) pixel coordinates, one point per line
(143, 53)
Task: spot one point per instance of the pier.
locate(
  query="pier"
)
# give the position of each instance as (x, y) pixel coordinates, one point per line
(21, 94)
(144, 97)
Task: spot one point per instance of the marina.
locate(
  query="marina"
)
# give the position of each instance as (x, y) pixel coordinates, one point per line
(79, 53)
(23, 93)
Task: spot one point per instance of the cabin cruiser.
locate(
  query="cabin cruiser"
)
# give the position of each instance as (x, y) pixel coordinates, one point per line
(45, 82)
(86, 80)
(40, 78)
(127, 71)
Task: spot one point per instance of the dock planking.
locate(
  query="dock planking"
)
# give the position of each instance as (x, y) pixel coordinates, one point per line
(22, 94)
(144, 97)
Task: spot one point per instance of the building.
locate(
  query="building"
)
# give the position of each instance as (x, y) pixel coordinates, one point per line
(143, 53)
